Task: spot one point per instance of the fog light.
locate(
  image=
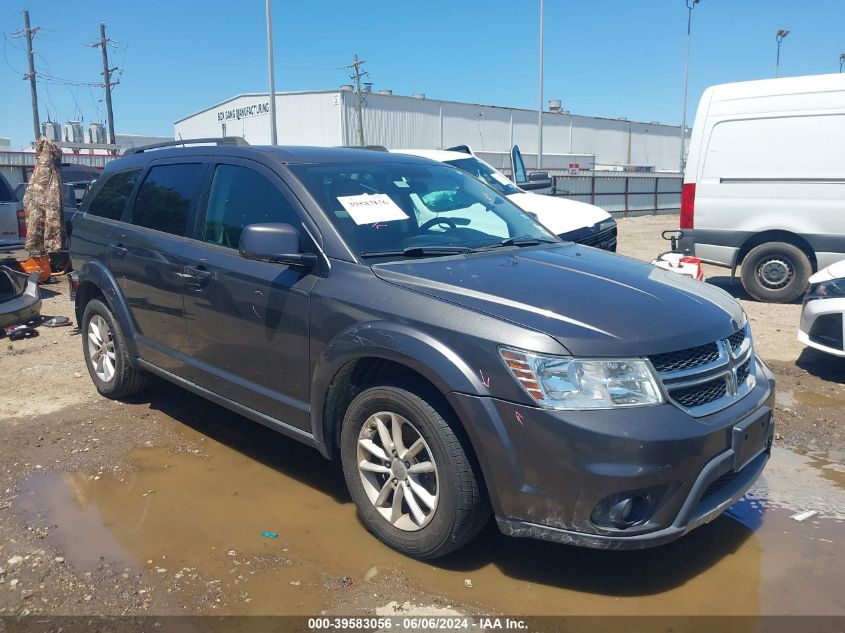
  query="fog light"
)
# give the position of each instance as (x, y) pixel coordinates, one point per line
(623, 511)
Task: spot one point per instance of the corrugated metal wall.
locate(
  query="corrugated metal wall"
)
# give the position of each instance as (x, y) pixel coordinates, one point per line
(329, 118)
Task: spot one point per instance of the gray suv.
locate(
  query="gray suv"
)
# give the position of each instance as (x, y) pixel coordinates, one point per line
(403, 317)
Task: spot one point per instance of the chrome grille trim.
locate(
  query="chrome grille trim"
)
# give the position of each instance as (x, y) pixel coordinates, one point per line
(734, 365)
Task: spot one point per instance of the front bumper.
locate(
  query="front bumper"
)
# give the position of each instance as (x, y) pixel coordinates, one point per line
(822, 325)
(550, 472)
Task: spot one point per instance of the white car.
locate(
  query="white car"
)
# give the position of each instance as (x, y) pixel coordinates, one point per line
(824, 305)
(570, 220)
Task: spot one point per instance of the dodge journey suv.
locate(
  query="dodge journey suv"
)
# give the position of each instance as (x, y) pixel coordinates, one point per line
(401, 316)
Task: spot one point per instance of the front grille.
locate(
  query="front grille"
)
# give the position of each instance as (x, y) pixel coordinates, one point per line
(719, 483)
(701, 394)
(603, 239)
(707, 378)
(590, 236)
(736, 340)
(743, 371)
(685, 358)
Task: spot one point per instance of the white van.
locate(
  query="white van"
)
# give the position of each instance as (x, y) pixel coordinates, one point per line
(765, 181)
(569, 219)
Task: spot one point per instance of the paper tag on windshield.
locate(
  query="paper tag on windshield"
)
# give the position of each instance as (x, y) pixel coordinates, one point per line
(371, 209)
(500, 178)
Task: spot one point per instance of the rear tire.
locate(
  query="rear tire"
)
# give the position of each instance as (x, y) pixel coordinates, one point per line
(106, 358)
(438, 474)
(776, 272)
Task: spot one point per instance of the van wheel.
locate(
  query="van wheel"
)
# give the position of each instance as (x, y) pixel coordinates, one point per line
(776, 272)
(408, 474)
(105, 354)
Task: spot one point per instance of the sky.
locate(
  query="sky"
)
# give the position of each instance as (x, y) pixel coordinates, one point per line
(602, 57)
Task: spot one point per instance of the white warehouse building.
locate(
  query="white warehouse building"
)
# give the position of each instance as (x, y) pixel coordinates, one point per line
(329, 118)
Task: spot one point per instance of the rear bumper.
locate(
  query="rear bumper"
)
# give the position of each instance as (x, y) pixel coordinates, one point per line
(15, 252)
(24, 305)
(554, 475)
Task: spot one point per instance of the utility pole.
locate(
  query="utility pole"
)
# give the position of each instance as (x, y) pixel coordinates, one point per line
(107, 82)
(27, 33)
(690, 6)
(272, 72)
(356, 75)
(540, 102)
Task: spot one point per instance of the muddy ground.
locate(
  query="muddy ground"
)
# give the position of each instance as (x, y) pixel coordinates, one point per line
(168, 504)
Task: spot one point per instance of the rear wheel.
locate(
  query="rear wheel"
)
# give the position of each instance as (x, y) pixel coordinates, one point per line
(776, 272)
(409, 475)
(104, 349)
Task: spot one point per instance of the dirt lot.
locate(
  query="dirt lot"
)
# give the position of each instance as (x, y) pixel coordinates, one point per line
(168, 504)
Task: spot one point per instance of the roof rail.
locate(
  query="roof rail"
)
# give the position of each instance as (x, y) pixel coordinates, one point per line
(224, 140)
(374, 148)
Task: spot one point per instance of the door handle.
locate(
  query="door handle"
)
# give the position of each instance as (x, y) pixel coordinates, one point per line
(198, 273)
(118, 250)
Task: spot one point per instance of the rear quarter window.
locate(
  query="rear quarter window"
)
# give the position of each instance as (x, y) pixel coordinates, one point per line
(110, 199)
(167, 196)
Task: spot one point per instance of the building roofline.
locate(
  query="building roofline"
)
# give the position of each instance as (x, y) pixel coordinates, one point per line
(395, 96)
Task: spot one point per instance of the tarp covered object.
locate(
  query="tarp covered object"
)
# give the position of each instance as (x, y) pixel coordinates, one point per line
(42, 202)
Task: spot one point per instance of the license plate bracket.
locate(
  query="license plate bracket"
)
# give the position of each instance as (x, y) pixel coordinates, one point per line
(750, 437)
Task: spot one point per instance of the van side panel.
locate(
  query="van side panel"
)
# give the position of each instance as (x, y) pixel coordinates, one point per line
(769, 162)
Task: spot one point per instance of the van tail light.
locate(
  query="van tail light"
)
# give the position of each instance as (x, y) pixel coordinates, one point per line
(687, 205)
(21, 223)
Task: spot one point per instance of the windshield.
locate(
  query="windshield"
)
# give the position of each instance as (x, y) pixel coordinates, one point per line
(483, 171)
(390, 207)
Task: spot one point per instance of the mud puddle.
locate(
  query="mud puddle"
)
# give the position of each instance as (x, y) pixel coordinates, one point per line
(192, 522)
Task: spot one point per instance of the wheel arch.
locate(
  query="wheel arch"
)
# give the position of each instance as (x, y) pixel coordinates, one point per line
(96, 282)
(777, 235)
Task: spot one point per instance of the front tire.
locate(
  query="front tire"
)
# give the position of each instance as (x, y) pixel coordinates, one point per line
(409, 475)
(104, 349)
(776, 272)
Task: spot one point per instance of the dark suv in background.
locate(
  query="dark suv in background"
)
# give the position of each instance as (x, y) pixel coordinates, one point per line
(402, 316)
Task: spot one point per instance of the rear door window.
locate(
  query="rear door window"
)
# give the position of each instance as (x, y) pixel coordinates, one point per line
(110, 200)
(239, 197)
(167, 196)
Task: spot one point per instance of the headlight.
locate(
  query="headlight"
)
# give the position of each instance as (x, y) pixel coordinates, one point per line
(825, 289)
(607, 224)
(559, 382)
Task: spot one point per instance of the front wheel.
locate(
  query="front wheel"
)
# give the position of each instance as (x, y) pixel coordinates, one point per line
(409, 475)
(776, 272)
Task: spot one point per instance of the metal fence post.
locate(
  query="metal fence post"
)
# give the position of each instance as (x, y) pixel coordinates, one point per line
(627, 179)
(656, 183)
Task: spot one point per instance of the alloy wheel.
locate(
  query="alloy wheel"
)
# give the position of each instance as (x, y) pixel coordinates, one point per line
(398, 471)
(101, 348)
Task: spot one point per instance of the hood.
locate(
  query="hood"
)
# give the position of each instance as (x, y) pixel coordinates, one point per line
(592, 302)
(559, 215)
(834, 271)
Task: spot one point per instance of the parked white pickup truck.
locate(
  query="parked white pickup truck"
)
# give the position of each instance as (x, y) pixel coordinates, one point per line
(12, 224)
(569, 219)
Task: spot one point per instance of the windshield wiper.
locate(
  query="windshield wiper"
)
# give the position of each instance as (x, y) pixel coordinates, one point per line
(420, 251)
(518, 241)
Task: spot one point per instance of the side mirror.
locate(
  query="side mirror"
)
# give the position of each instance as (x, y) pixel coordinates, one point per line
(277, 243)
(536, 180)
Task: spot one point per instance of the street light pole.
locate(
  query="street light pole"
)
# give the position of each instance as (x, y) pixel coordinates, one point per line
(690, 6)
(779, 36)
(270, 65)
(841, 61)
(540, 102)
